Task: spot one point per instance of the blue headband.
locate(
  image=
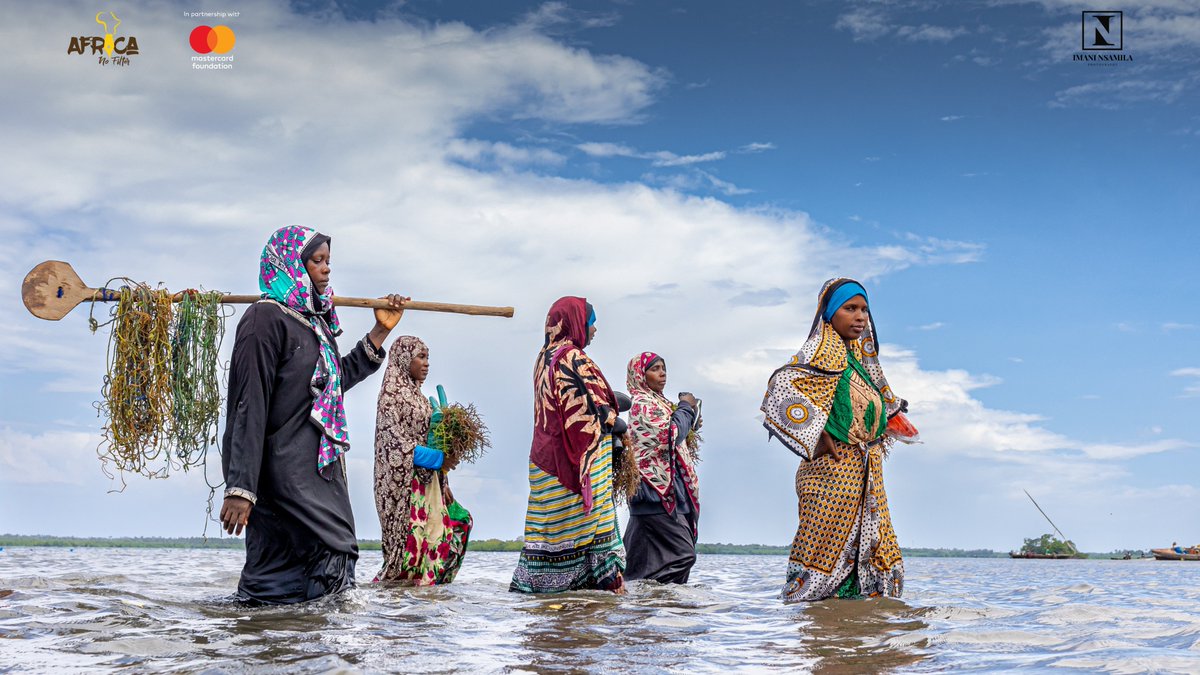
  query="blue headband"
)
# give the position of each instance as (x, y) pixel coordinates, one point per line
(841, 295)
(591, 317)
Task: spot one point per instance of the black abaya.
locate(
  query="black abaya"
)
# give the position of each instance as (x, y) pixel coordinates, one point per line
(300, 541)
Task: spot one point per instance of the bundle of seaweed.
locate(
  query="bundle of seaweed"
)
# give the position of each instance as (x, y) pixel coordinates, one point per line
(195, 345)
(461, 434)
(136, 396)
(694, 440)
(625, 474)
(162, 390)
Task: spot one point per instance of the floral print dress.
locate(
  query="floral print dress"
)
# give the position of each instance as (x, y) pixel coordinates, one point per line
(425, 532)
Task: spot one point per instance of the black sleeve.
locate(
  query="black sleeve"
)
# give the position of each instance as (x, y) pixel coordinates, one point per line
(361, 362)
(683, 417)
(256, 350)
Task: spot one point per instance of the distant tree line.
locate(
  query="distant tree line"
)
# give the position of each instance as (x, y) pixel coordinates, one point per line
(121, 542)
(1043, 544)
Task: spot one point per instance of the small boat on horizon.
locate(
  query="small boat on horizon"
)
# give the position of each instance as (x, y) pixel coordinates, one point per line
(1171, 554)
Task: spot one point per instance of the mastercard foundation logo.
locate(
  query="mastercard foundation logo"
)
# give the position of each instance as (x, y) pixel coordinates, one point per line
(212, 39)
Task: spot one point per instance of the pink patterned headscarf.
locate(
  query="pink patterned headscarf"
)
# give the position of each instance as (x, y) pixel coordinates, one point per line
(283, 278)
(652, 432)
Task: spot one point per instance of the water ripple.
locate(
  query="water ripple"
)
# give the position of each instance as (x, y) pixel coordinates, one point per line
(171, 611)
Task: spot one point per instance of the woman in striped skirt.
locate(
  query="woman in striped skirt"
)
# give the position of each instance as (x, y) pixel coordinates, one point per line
(571, 536)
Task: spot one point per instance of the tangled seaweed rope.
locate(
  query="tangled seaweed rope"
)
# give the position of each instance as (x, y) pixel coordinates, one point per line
(198, 328)
(136, 395)
(161, 397)
(461, 434)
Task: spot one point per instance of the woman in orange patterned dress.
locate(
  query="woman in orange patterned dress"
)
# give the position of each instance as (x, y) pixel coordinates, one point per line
(832, 406)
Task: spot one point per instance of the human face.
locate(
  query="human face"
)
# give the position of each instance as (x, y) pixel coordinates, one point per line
(656, 376)
(419, 367)
(318, 268)
(850, 320)
(591, 333)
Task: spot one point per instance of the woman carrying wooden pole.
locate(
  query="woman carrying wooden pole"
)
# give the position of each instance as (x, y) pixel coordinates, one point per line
(286, 434)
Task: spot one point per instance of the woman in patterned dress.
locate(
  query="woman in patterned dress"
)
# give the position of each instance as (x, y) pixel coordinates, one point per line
(425, 530)
(831, 405)
(663, 514)
(571, 535)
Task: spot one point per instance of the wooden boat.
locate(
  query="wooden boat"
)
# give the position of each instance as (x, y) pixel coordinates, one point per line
(1170, 554)
(1040, 556)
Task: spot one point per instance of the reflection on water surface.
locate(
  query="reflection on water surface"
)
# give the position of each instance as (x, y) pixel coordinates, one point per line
(170, 610)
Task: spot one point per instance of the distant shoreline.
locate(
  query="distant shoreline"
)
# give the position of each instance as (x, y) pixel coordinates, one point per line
(509, 545)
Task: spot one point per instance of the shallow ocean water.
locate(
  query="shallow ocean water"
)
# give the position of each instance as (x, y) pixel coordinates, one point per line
(168, 610)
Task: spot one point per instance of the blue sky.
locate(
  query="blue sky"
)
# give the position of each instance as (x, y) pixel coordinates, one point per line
(1025, 223)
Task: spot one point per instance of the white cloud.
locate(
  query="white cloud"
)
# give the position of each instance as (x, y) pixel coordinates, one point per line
(932, 249)
(608, 150)
(873, 23)
(695, 180)
(503, 154)
(1114, 95)
(1193, 389)
(952, 118)
(56, 456)
(927, 33)
(756, 147)
(663, 158)
(931, 326)
(1129, 451)
(551, 17)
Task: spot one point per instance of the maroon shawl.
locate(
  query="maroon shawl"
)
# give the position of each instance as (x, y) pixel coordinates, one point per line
(573, 405)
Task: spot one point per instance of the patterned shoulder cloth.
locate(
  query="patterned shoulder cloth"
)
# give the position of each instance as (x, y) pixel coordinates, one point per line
(283, 279)
(800, 394)
(574, 406)
(653, 432)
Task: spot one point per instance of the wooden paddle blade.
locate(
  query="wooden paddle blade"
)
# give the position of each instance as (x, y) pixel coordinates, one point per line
(52, 289)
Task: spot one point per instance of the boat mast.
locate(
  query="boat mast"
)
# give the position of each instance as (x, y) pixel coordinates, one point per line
(1060, 532)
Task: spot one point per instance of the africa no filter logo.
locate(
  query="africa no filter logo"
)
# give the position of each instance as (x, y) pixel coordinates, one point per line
(110, 48)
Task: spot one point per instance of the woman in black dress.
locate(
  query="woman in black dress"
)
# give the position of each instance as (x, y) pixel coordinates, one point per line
(286, 426)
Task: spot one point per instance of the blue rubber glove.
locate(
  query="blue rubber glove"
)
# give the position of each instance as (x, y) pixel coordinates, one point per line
(427, 458)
